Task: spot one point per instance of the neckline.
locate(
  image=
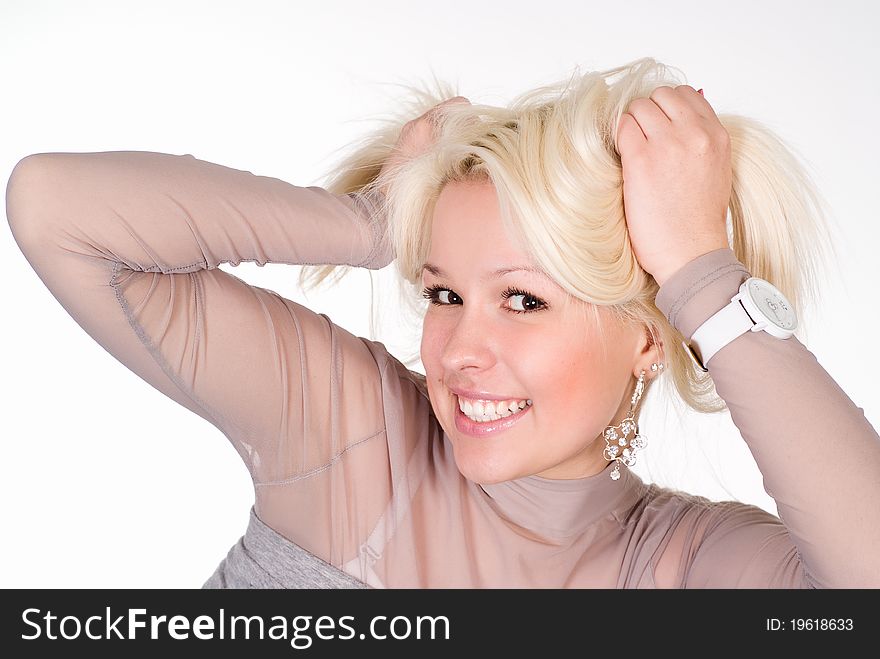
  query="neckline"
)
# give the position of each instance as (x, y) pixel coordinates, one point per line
(555, 509)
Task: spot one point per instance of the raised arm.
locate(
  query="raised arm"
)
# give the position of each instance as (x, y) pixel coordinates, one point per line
(129, 242)
(819, 456)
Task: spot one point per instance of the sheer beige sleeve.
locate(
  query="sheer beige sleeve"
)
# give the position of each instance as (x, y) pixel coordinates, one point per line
(818, 454)
(130, 242)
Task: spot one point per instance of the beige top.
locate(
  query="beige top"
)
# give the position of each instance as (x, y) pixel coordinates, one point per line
(347, 458)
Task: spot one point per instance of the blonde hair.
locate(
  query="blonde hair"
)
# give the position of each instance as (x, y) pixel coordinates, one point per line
(551, 157)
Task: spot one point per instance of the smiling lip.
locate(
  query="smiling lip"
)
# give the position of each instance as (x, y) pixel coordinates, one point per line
(482, 395)
(467, 426)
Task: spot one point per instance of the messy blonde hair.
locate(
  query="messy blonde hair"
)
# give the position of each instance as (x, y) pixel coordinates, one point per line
(551, 157)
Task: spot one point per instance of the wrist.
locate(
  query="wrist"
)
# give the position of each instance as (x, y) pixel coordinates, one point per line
(663, 275)
(699, 289)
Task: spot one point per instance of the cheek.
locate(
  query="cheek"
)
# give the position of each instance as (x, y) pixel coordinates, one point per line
(571, 377)
(433, 338)
(556, 371)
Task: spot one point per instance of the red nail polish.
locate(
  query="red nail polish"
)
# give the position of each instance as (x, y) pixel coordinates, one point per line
(700, 91)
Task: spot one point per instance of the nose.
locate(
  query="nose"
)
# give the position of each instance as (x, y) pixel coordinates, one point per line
(469, 344)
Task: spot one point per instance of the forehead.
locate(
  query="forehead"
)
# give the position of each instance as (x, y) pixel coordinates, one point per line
(469, 240)
(467, 201)
(467, 227)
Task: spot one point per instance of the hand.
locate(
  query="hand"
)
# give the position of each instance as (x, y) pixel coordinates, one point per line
(416, 137)
(675, 155)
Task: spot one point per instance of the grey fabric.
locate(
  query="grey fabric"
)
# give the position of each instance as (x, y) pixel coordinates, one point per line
(264, 559)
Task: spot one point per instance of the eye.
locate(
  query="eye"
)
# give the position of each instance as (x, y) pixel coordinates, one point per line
(439, 295)
(443, 297)
(530, 302)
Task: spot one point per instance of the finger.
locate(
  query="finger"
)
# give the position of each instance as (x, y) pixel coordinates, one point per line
(703, 106)
(630, 137)
(437, 113)
(671, 103)
(651, 119)
(683, 100)
(440, 107)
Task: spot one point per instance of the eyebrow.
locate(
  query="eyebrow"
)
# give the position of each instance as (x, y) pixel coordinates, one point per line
(438, 272)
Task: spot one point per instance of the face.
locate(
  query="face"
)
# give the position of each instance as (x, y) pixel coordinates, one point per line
(517, 336)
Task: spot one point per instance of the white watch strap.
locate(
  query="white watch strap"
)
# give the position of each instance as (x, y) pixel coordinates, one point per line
(720, 329)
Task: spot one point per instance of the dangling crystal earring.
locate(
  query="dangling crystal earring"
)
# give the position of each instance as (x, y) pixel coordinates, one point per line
(623, 449)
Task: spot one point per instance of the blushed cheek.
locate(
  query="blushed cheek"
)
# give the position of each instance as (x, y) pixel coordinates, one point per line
(581, 385)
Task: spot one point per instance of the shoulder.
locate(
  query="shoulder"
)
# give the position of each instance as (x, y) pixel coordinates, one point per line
(694, 541)
(670, 507)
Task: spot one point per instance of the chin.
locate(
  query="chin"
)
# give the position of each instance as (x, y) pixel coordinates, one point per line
(486, 472)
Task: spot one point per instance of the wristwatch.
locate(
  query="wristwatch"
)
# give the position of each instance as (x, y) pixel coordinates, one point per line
(757, 306)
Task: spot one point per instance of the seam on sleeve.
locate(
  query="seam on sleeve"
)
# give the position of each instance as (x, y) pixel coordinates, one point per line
(303, 386)
(697, 532)
(201, 265)
(700, 284)
(371, 202)
(335, 385)
(808, 578)
(220, 421)
(321, 468)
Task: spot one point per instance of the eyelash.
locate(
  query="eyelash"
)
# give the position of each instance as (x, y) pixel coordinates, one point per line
(431, 293)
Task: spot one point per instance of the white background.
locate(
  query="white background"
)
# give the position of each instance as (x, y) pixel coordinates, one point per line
(104, 482)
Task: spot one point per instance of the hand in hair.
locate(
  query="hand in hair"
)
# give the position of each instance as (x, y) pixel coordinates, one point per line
(675, 155)
(416, 137)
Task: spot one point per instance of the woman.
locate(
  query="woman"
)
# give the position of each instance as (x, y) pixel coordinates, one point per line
(552, 312)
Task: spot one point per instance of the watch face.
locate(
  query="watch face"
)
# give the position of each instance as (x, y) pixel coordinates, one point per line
(773, 304)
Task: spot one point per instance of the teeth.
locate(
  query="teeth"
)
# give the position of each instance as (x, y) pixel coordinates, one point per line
(491, 410)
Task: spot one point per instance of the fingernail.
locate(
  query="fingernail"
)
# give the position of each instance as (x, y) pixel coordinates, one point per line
(700, 91)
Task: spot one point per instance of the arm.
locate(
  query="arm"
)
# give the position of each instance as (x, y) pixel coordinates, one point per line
(819, 456)
(130, 243)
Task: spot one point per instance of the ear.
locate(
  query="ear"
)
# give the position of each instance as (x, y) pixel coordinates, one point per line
(650, 351)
